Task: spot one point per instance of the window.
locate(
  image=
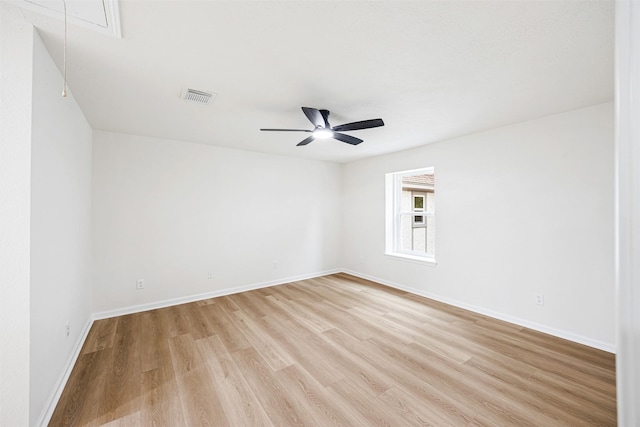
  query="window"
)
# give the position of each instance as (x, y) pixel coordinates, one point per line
(410, 231)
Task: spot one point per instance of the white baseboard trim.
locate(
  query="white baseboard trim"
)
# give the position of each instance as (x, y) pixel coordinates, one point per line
(52, 402)
(206, 295)
(608, 347)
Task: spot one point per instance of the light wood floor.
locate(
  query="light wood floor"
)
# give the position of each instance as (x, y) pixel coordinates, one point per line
(331, 351)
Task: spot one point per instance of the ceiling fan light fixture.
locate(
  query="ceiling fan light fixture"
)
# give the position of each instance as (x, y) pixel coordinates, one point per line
(323, 130)
(322, 133)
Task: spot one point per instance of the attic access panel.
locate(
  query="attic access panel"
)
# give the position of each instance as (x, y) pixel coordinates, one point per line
(98, 15)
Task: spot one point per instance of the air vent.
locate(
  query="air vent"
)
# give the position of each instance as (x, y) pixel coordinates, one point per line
(199, 96)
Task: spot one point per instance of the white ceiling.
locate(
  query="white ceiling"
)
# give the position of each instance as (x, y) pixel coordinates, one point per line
(432, 70)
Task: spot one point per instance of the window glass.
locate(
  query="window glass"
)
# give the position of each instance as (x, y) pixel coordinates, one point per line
(411, 214)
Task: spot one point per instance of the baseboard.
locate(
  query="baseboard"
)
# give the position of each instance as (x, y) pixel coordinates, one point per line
(206, 295)
(496, 315)
(52, 402)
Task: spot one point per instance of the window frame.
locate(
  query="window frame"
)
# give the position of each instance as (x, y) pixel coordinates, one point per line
(394, 214)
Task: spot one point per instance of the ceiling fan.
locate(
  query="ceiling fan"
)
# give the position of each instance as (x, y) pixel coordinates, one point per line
(323, 130)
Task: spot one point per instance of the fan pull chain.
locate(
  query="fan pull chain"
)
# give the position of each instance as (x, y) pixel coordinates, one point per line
(64, 60)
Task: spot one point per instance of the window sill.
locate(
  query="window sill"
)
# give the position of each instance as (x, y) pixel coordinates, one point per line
(412, 259)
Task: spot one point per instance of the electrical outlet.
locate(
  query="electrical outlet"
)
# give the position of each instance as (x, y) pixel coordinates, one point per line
(210, 275)
(140, 284)
(67, 328)
(361, 260)
(275, 265)
(539, 299)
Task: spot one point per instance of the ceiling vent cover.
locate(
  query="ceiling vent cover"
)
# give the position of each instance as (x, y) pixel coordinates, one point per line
(199, 96)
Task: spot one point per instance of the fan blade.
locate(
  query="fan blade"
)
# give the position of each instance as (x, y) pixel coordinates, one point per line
(314, 116)
(289, 130)
(364, 124)
(346, 138)
(305, 141)
(325, 117)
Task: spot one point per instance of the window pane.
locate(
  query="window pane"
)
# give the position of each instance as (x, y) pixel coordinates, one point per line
(422, 180)
(405, 202)
(420, 239)
(406, 233)
(430, 231)
(418, 202)
(414, 238)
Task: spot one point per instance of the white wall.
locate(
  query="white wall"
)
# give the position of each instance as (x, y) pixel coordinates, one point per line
(169, 212)
(520, 210)
(15, 183)
(60, 229)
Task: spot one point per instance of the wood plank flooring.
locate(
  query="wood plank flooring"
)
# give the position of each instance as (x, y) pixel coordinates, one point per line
(331, 351)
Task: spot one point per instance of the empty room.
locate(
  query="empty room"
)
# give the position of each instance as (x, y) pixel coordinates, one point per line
(356, 213)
